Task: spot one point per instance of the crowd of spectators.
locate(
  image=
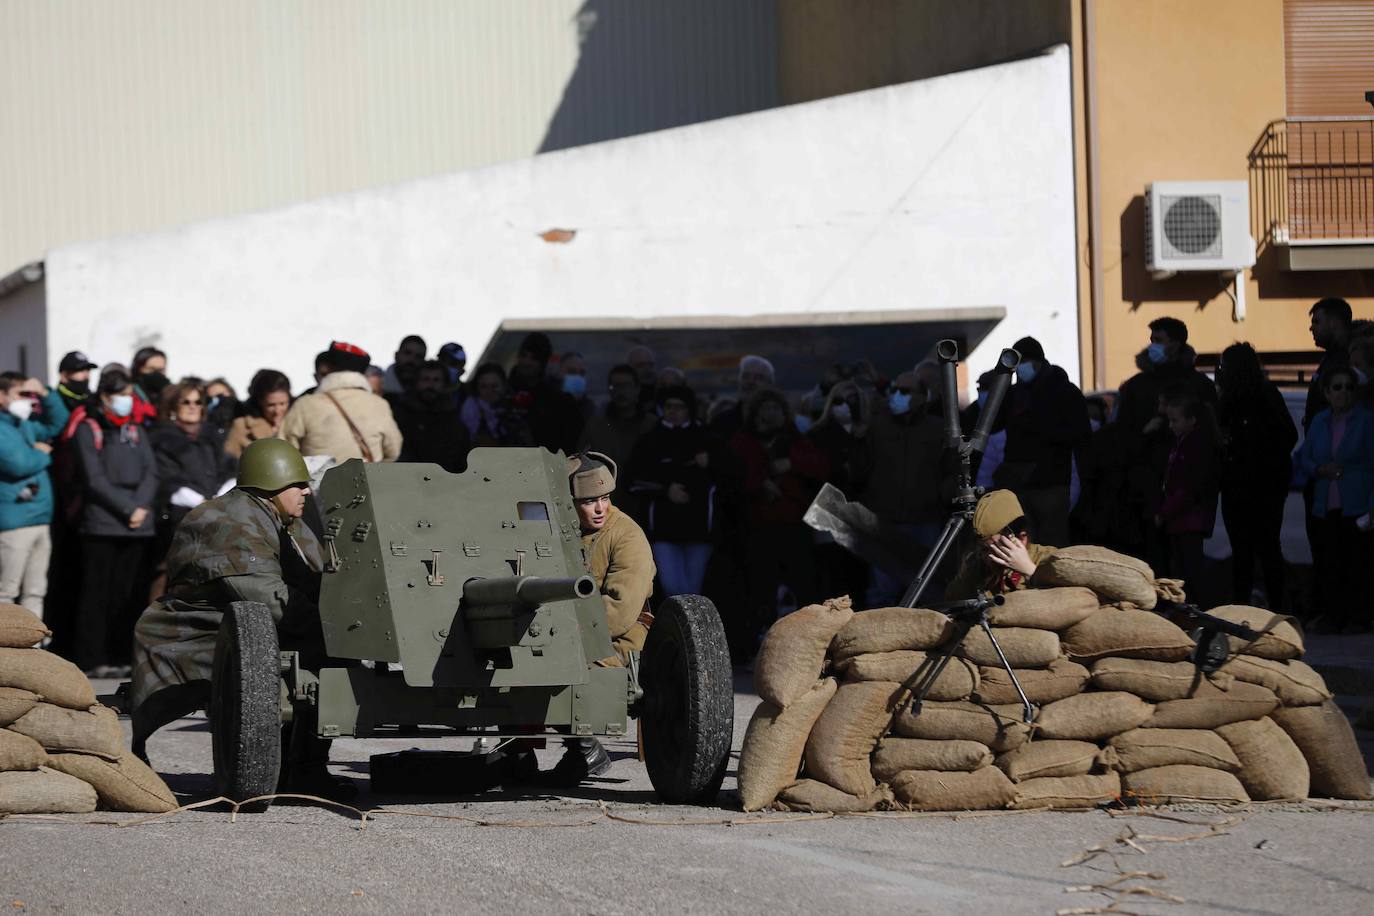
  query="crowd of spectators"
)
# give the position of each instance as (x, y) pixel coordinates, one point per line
(97, 471)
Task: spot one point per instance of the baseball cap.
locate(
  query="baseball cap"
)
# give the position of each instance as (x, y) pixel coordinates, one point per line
(75, 361)
(453, 353)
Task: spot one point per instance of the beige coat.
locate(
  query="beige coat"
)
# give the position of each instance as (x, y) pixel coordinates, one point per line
(316, 427)
(622, 564)
(246, 430)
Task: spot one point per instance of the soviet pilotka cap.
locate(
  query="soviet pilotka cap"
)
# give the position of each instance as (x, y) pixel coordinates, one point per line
(995, 511)
(591, 475)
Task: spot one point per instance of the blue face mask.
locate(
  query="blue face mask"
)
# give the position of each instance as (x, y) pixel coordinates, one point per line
(214, 402)
(1025, 372)
(899, 402)
(1156, 353)
(803, 423)
(575, 385)
(121, 405)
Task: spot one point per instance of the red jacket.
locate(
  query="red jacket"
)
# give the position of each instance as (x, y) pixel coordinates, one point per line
(799, 485)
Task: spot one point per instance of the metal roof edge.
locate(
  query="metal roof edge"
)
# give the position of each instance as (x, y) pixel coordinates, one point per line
(25, 276)
(725, 322)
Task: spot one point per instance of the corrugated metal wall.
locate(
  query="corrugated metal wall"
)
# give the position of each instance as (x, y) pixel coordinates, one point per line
(127, 115)
(1329, 46)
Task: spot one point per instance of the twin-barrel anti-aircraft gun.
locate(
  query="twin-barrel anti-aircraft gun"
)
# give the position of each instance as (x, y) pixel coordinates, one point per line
(460, 604)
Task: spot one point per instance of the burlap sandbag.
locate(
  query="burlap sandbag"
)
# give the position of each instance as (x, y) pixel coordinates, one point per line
(773, 745)
(1126, 634)
(1001, 728)
(932, 790)
(1112, 576)
(890, 629)
(1271, 766)
(94, 731)
(53, 678)
(1295, 683)
(909, 667)
(1062, 678)
(813, 795)
(1143, 748)
(897, 754)
(1068, 791)
(793, 651)
(1240, 702)
(20, 627)
(1092, 716)
(45, 791)
(1279, 639)
(844, 736)
(1182, 784)
(1049, 759)
(20, 752)
(15, 702)
(126, 784)
(1044, 608)
(1158, 681)
(1327, 742)
(1023, 647)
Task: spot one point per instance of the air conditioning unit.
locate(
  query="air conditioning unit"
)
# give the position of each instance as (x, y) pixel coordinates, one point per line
(1197, 226)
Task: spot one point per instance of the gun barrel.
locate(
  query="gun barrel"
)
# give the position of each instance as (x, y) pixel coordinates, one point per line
(525, 590)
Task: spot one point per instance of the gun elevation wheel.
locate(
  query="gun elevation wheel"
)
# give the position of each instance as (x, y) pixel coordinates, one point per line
(245, 705)
(688, 712)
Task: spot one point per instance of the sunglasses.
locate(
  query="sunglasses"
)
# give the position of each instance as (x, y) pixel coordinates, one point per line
(190, 402)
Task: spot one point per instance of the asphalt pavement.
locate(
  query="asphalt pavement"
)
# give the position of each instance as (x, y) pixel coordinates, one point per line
(608, 847)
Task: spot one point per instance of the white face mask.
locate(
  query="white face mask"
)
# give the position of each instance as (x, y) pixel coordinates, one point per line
(121, 405)
(21, 408)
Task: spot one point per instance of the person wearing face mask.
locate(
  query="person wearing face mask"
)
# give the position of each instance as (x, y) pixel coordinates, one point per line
(572, 372)
(841, 432)
(222, 406)
(247, 545)
(428, 419)
(118, 472)
(26, 493)
(1046, 421)
(554, 418)
(74, 379)
(149, 369)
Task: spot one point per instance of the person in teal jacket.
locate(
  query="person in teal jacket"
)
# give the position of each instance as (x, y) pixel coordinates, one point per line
(1338, 457)
(26, 502)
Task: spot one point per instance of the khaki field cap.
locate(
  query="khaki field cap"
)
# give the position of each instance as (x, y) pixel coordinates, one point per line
(996, 510)
(591, 474)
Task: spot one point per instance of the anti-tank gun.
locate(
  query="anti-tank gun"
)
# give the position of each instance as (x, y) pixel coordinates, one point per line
(460, 604)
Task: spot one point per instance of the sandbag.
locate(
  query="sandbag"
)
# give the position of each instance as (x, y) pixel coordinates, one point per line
(1126, 634)
(889, 629)
(1062, 678)
(1295, 683)
(1327, 742)
(1092, 716)
(1023, 647)
(844, 736)
(1068, 791)
(773, 745)
(44, 791)
(53, 678)
(126, 784)
(1144, 748)
(1049, 759)
(1271, 766)
(94, 731)
(897, 754)
(908, 667)
(20, 752)
(1043, 608)
(813, 795)
(932, 790)
(1001, 728)
(1158, 681)
(15, 702)
(1182, 784)
(1241, 701)
(793, 650)
(1279, 640)
(20, 627)
(1112, 576)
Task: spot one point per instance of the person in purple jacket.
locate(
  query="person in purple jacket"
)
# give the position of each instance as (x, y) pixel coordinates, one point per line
(1188, 501)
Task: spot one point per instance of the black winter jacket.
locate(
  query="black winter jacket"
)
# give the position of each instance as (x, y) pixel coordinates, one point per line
(665, 456)
(182, 461)
(1046, 421)
(117, 478)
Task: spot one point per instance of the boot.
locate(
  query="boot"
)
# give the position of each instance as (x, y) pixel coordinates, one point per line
(583, 757)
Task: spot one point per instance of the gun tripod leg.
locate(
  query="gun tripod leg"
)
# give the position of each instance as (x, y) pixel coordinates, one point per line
(923, 685)
(949, 536)
(1025, 701)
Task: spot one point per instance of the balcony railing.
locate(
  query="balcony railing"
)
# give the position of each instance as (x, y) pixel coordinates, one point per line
(1312, 181)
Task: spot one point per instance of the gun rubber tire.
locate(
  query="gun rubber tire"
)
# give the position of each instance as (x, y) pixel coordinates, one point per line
(245, 705)
(688, 714)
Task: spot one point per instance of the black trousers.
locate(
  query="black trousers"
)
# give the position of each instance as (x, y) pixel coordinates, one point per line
(1186, 562)
(104, 627)
(1254, 519)
(1341, 556)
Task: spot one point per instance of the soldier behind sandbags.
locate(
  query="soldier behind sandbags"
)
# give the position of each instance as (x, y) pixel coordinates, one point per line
(1004, 559)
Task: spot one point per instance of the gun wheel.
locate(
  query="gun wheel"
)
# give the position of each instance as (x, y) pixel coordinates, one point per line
(245, 705)
(688, 716)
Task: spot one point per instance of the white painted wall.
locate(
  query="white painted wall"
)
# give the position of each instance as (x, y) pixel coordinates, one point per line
(949, 192)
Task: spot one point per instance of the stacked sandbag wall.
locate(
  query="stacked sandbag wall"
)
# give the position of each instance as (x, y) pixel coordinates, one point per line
(61, 752)
(1120, 710)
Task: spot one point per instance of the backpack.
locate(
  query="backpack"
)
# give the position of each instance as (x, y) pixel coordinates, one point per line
(66, 474)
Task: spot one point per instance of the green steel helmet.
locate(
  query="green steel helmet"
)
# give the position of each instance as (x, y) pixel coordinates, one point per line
(271, 465)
